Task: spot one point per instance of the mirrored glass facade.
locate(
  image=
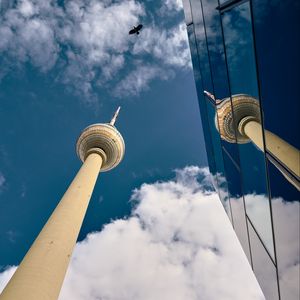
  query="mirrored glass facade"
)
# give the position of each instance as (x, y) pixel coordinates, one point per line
(246, 64)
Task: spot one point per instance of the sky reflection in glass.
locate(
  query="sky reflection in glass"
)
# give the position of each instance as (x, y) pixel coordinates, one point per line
(242, 74)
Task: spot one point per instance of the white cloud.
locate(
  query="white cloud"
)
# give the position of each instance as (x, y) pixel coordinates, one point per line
(87, 42)
(27, 37)
(289, 246)
(171, 47)
(12, 235)
(139, 79)
(6, 275)
(258, 210)
(238, 42)
(286, 216)
(173, 4)
(2, 181)
(177, 244)
(170, 7)
(27, 9)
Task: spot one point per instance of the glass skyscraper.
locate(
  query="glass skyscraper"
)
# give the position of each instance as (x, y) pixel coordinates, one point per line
(246, 65)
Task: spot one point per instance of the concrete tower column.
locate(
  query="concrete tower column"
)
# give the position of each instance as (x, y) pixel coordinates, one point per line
(279, 148)
(245, 125)
(42, 271)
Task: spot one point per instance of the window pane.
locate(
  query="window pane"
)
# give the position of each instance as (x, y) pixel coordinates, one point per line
(286, 214)
(202, 102)
(277, 28)
(263, 267)
(201, 44)
(220, 174)
(212, 139)
(187, 11)
(237, 204)
(279, 74)
(215, 47)
(243, 84)
(217, 60)
(239, 50)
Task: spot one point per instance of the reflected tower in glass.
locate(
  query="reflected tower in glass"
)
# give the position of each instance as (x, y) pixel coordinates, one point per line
(246, 64)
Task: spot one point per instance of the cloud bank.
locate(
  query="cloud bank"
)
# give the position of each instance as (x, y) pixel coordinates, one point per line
(86, 43)
(177, 244)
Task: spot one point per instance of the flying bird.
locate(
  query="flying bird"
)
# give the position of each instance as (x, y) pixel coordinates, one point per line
(136, 29)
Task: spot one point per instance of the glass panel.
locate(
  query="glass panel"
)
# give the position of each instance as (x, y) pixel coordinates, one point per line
(278, 89)
(207, 110)
(286, 214)
(239, 50)
(263, 267)
(277, 28)
(187, 11)
(201, 44)
(202, 104)
(216, 143)
(213, 149)
(215, 45)
(243, 84)
(237, 203)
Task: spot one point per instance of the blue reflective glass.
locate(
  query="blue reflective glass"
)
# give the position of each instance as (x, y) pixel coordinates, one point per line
(286, 214)
(239, 50)
(279, 73)
(263, 267)
(233, 177)
(202, 104)
(218, 155)
(216, 53)
(207, 110)
(216, 48)
(201, 44)
(242, 74)
(276, 26)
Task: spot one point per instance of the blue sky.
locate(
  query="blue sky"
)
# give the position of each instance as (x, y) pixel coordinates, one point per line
(68, 64)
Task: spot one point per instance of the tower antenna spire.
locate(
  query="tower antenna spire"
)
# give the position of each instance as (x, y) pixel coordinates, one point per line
(114, 118)
(211, 97)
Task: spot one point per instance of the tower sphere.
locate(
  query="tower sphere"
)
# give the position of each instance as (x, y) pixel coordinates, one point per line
(244, 106)
(103, 139)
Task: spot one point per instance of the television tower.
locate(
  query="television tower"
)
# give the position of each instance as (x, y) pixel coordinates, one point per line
(244, 124)
(41, 273)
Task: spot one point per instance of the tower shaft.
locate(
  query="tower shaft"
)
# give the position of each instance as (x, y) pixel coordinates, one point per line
(41, 273)
(279, 148)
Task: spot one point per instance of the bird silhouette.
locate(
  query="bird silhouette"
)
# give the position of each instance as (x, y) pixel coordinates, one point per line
(136, 29)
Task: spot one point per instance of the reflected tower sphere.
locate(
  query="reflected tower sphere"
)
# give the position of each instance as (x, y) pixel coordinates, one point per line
(245, 108)
(238, 121)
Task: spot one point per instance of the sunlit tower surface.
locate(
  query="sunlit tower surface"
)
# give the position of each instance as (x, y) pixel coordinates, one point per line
(41, 273)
